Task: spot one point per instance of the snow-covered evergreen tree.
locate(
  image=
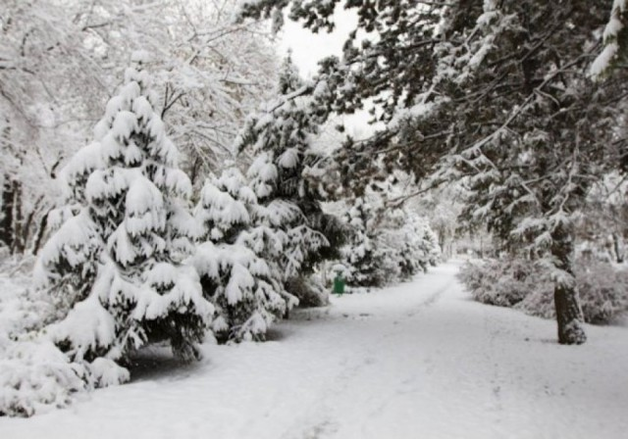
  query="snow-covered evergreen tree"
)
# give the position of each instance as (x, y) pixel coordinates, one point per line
(117, 266)
(388, 243)
(364, 259)
(246, 291)
(280, 138)
(420, 248)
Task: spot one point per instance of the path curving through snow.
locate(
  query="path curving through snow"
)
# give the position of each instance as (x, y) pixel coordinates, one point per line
(420, 360)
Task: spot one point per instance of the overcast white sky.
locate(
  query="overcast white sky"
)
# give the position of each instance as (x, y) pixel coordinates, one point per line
(308, 48)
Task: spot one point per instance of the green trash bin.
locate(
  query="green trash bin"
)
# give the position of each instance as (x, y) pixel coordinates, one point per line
(339, 283)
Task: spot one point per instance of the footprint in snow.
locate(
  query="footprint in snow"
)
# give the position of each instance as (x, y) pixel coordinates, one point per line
(361, 316)
(320, 430)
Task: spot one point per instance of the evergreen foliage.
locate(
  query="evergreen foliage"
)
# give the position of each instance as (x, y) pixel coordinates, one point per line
(363, 258)
(284, 176)
(117, 268)
(231, 260)
(387, 243)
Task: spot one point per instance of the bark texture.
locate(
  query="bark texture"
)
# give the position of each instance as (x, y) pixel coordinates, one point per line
(568, 311)
(7, 203)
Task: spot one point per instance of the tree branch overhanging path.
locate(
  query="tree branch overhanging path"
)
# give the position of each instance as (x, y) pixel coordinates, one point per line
(428, 68)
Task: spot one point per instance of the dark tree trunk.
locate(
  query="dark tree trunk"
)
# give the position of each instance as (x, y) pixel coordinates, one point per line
(6, 216)
(619, 254)
(568, 312)
(41, 231)
(18, 244)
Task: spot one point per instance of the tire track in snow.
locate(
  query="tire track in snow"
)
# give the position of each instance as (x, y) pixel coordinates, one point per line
(431, 299)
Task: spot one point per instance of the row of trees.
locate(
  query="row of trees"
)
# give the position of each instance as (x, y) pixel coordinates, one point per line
(497, 95)
(132, 261)
(388, 243)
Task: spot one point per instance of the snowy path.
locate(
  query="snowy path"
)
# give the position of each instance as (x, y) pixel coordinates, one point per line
(420, 360)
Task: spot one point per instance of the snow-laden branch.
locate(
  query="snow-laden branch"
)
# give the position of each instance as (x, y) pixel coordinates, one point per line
(609, 54)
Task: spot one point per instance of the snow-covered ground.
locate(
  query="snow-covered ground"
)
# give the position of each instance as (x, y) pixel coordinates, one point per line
(420, 360)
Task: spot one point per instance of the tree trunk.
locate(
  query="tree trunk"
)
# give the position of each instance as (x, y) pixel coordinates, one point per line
(28, 223)
(6, 215)
(568, 312)
(18, 245)
(619, 254)
(442, 242)
(41, 231)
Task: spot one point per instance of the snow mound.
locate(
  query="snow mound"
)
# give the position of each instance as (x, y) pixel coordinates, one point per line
(36, 376)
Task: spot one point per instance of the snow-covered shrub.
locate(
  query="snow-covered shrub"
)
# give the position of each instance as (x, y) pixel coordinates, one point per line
(539, 302)
(366, 260)
(526, 285)
(310, 290)
(117, 267)
(504, 282)
(36, 375)
(603, 291)
(21, 309)
(429, 245)
(419, 247)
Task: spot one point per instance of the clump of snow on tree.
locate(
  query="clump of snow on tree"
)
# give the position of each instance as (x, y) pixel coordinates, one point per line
(611, 49)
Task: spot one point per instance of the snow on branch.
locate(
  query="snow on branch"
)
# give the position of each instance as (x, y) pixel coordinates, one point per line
(610, 53)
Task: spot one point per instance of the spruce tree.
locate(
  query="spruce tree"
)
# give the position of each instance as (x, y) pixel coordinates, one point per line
(364, 259)
(118, 266)
(245, 289)
(282, 176)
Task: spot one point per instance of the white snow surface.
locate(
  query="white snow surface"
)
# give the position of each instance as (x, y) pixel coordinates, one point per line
(420, 360)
